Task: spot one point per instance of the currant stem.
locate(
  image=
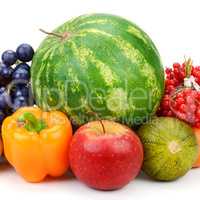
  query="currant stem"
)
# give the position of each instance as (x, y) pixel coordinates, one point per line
(188, 67)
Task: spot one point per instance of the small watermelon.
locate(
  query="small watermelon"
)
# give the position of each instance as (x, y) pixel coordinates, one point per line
(98, 66)
(170, 148)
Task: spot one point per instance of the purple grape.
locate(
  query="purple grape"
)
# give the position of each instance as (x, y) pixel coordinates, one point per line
(25, 52)
(23, 66)
(21, 91)
(18, 102)
(5, 74)
(2, 89)
(3, 100)
(9, 57)
(21, 74)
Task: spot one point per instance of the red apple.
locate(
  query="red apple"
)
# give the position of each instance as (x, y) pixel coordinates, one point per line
(105, 155)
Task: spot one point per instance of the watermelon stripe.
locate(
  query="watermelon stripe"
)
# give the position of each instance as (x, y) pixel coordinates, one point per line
(95, 68)
(89, 58)
(133, 30)
(132, 54)
(40, 78)
(75, 73)
(128, 45)
(115, 65)
(92, 68)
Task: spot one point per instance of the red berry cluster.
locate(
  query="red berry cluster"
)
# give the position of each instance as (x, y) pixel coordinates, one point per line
(180, 101)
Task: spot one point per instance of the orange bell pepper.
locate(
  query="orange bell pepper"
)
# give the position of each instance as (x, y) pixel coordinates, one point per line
(36, 143)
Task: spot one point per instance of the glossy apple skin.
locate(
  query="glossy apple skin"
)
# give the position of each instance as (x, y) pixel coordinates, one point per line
(106, 161)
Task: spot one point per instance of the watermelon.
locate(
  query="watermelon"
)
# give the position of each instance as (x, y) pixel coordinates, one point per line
(98, 66)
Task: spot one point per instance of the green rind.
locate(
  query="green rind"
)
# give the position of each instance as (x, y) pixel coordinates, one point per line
(159, 163)
(102, 52)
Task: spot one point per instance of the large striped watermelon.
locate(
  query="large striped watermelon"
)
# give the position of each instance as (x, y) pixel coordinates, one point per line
(98, 66)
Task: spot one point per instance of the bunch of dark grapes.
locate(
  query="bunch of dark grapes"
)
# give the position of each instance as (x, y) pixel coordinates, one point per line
(15, 90)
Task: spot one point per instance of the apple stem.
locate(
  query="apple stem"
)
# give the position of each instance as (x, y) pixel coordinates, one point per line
(62, 36)
(104, 131)
(100, 120)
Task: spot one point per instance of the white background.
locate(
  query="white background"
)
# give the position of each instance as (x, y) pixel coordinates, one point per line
(174, 26)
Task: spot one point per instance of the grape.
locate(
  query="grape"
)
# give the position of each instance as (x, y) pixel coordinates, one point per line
(23, 65)
(20, 91)
(2, 116)
(18, 102)
(17, 93)
(5, 74)
(2, 89)
(3, 102)
(2, 65)
(21, 74)
(25, 52)
(9, 57)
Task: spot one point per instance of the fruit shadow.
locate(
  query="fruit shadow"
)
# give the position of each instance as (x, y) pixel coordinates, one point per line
(68, 176)
(4, 166)
(143, 177)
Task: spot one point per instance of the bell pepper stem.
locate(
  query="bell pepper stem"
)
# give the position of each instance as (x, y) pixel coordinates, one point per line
(31, 122)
